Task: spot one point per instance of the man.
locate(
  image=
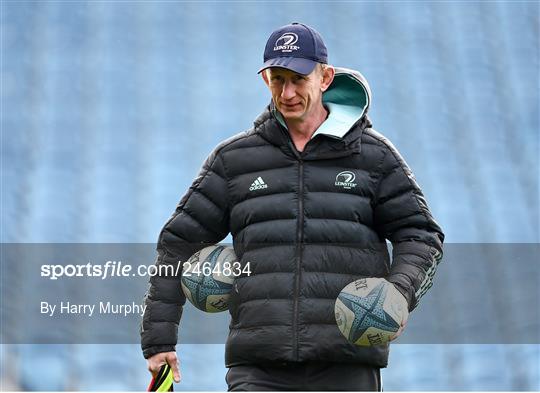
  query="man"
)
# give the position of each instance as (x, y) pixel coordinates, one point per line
(309, 194)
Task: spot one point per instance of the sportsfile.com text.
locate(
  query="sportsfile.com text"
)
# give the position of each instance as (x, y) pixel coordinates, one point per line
(119, 269)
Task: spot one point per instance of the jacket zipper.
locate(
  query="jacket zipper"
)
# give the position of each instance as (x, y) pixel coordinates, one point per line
(299, 251)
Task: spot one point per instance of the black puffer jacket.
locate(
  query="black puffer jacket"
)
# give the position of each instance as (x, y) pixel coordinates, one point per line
(308, 223)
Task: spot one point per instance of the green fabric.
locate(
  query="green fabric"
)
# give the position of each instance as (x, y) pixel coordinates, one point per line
(339, 121)
(346, 90)
(280, 118)
(346, 99)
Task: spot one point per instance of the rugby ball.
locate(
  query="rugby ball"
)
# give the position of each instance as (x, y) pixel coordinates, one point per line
(207, 278)
(369, 311)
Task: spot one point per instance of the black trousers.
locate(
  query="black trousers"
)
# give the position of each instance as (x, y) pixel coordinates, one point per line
(315, 376)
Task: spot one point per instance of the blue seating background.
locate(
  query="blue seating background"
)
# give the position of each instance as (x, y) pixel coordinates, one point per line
(109, 108)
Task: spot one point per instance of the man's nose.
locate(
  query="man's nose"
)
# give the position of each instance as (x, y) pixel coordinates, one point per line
(289, 90)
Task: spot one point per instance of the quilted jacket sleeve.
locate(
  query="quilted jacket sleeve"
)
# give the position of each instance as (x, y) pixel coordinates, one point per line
(402, 216)
(200, 219)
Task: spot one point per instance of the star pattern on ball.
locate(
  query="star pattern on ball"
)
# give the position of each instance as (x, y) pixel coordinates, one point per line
(368, 312)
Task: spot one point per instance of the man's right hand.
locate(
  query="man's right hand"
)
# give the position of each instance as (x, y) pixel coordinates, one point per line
(159, 359)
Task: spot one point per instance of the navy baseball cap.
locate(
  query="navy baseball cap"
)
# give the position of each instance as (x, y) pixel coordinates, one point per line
(296, 47)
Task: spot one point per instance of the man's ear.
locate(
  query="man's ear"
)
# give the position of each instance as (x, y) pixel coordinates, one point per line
(328, 77)
(265, 77)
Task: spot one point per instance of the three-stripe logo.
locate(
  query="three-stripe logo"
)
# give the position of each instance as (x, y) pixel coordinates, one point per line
(258, 184)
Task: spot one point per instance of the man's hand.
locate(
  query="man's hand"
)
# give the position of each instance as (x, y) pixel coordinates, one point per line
(401, 328)
(405, 317)
(159, 359)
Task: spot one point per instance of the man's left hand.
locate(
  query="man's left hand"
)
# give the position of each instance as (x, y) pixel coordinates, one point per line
(404, 319)
(401, 328)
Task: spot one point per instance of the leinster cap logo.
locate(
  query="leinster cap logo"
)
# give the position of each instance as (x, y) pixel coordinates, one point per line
(345, 179)
(285, 42)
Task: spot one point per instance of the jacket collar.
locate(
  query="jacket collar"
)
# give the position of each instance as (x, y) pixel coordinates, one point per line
(321, 146)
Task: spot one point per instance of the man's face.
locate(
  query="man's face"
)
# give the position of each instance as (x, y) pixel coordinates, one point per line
(296, 95)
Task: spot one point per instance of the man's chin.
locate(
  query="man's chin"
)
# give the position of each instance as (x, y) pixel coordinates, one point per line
(290, 115)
